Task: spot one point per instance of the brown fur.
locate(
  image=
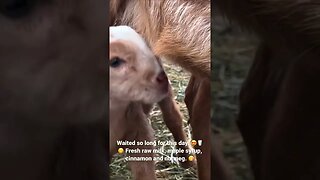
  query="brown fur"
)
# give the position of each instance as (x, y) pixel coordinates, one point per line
(53, 90)
(173, 119)
(199, 106)
(279, 117)
(179, 31)
(187, 44)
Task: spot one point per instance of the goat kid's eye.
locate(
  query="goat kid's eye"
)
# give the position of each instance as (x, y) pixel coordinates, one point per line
(116, 62)
(16, 8)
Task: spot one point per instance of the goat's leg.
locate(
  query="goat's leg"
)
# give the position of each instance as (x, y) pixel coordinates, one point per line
(173, 119)
(198, 93)
(143, 170)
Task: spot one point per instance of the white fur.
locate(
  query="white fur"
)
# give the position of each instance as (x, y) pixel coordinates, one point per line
(128, 34)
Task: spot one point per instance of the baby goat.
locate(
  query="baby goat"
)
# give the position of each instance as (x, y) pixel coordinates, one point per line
(137, 80)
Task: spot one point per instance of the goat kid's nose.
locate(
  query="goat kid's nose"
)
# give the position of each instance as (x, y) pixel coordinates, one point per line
(162, 77)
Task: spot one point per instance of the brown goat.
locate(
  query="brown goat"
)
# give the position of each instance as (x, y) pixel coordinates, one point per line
(279, 116)
(177, 30)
